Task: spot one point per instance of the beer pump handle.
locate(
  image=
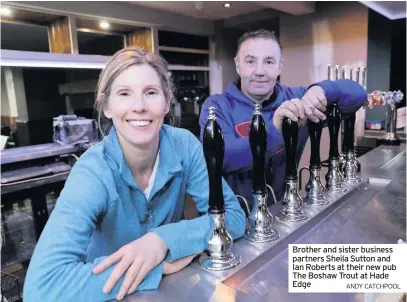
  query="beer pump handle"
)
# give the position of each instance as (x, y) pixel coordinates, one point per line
(214, 149)
(290, 133)
(329, 72)
(351, 138)
(336, 72)
(334, 121)
(358, 75)
(364, 78)
(258, 145)
(346, 134)
(315, 131)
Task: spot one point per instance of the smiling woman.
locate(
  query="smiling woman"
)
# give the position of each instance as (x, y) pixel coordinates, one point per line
(157, 71)
(117, 226)
(137, 105)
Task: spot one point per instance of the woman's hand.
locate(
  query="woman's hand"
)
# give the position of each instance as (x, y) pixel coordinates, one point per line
(135, 259)
(176, 266)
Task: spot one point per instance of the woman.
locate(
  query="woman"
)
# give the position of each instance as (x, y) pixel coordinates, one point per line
(125, 196)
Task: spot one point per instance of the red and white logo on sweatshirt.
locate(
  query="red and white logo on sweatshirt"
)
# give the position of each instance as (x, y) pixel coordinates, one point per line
(243, 128)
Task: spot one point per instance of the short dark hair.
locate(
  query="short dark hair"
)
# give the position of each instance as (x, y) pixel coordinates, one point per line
(258, 34)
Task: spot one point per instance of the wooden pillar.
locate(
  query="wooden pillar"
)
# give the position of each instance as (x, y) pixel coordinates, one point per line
(16, 94)
(141, 38)
(154, 38)
(62, 36)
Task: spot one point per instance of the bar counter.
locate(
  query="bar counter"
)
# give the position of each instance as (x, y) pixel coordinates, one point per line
(370, 212)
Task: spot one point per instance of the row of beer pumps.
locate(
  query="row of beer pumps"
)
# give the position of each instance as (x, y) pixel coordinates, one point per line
(391, 98)
(343, 172)
(377, 98)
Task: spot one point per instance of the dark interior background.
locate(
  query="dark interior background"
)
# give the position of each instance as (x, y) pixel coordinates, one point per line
(398, 58)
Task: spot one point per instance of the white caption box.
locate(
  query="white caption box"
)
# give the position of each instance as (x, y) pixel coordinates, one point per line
(346, 268)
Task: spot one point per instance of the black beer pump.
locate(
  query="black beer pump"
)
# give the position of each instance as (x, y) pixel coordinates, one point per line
(314, 188)
(219, 254)
(334, 177)
(292, 202)
(260, 219)
(350, 167)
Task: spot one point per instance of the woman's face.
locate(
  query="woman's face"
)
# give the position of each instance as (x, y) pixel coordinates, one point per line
(137, 105)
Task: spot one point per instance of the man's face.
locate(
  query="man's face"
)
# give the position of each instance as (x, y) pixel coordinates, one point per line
(258, 64)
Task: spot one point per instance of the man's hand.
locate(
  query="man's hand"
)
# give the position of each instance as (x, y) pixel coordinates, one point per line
(135, 259)
(311, 106)
(176, 266)
(315, 100)
(295, 109)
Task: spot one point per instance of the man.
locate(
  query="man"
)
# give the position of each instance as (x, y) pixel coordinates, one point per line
(259, 63)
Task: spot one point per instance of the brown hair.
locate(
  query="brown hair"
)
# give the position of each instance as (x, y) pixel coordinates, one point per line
(258, 34)
(122, 60)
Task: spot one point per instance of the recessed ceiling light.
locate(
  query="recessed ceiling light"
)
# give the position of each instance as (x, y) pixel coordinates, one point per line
(5, 11)
(227, 5)
(104, 25)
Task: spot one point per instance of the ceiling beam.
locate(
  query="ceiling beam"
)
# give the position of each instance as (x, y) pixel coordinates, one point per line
(237, 21)
(296, 8)
(393, 10)
(120, 12)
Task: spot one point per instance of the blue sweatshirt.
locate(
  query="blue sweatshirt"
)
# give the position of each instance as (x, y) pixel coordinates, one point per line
(101, 209)
(234, 113)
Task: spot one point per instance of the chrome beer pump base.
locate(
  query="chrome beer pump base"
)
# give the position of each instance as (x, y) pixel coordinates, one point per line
(341, 164)
(392, 98)
(261, 221)
(292, 203)
(357, 163)
(219, 255)
(285, 215)
(334, 178)
(351, 168)
(223, 262)
(315, 189)
(390, 139)
(316, 201)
